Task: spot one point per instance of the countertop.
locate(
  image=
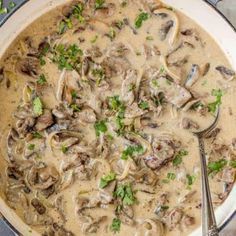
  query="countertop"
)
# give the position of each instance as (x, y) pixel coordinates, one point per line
(228, 8)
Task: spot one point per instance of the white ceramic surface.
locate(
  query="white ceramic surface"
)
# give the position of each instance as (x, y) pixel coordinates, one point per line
(198, 10)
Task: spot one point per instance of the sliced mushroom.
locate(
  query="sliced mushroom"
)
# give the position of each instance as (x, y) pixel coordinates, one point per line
(107, 11)
(87, 115)
(29, 66)
(106, 194)
(187, 123)
(118, 50)
(226, 73)
(128, 86)
(44, 121)
(193, 76)
(165, 28)
(163, 152)
(126, 215)
(39, 207)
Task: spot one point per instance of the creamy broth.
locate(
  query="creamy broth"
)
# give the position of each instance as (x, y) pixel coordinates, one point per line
(98, 104)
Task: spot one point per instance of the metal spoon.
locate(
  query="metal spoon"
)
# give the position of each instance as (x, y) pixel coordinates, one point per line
(209, 227)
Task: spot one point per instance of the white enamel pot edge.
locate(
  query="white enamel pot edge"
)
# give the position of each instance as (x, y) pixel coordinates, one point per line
(199, 11)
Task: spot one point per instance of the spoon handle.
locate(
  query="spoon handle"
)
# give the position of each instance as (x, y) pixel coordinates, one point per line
(209, 227)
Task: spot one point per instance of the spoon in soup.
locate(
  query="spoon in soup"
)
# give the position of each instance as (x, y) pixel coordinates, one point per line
(209, 226)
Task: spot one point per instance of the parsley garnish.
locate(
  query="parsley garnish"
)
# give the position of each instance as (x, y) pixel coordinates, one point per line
(143, 105)
(216, 166)
(111, 34)
(31, 146)
(179, 157)
(105, 180)
(125, 193)
(132, 151)
(143, 16)
(232, 163)
(99, 4)
(67, 57)
(74, 94)
(64, 149)
(171, 176)
(75, 107)
(190, 179)
(37, 135)
(212, 107)
(37, 106)
(100, 127)
(115, 226)
(42, 80)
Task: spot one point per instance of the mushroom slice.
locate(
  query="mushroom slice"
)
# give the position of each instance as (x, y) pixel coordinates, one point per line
(193, 76)
(165, 28)
(175, 21)
(107, 11)
(226, 73)
(128, 87)
(189, 124)
(174, 93)
(44, 121)
(150, 227)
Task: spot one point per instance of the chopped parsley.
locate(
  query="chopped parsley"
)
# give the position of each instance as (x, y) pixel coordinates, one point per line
(179, 157)
(143, 16)
(116, 105)
(111, 34)
(143, 105)
(31, 147)
(171, 176)
(37, 135)
(106, 180)
(75, 107)
(99, 4)
(115, 225)
(190, 179)
(125, 193)
(212, 107)
(64, 149)
(232, 163)
(132, 151)
(67, 57)
(100, 127)
(74, 94)
(42, 80)
(155, 83)
(37, 106)
(66, 23)
(216, 166)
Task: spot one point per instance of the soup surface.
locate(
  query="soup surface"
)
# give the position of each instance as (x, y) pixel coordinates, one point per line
(98, 101)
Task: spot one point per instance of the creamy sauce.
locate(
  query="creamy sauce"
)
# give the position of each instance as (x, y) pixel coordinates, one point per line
(97, 115)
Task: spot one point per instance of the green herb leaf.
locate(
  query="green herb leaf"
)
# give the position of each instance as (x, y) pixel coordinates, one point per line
(115, 226)
(74, 94)
(37, 135)
(75, 107)
(132, 151)
(99, 4)
(42, 80)
(143, 16)
(112, 34)
(114, 103)
(216, 166)
(125, 193)
(67, 57)
(143, 105)
(190, 179)
(37, 106)
(78, 11)
(106, 180)
(232, 163)
(212, 107)
(64, 149)
(179, 157)
(100, 127)
(3, 11)
(171, 176)
(31, 146)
